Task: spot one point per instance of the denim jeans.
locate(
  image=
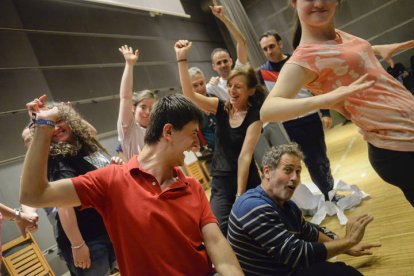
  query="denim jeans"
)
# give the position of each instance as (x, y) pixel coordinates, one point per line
(102, 259)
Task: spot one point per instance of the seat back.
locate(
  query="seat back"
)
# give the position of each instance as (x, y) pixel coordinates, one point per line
(22, 256)
(194, 169)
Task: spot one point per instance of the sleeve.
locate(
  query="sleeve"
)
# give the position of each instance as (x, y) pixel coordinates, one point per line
(260, 76)
(305, 57)
(265, 226)
(206, 213)
(217, 91)
(92, 188)
(325, 112)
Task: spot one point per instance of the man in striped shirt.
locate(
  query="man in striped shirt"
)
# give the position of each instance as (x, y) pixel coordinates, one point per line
(269, 234)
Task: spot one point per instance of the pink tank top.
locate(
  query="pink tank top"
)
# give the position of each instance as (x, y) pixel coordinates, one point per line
(385, 112)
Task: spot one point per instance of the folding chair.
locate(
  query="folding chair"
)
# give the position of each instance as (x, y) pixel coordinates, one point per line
(22, 256)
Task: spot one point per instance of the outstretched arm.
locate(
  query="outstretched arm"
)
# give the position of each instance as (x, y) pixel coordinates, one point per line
(35, 190)
(350, 244)
(281, 104)
(246, 155)
(241, 45)
(386, 51)
(220, 251)
(125, 92)
(208, 104)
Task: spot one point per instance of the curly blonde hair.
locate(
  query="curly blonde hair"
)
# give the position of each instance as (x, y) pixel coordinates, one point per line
(84, 142)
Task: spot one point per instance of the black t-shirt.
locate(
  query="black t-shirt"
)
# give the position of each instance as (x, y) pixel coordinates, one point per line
(229, 142)
(89, 221)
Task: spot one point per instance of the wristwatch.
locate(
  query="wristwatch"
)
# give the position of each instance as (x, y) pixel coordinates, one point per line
(16, 214)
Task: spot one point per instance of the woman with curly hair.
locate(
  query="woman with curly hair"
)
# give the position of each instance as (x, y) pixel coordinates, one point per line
(238, 130)
(81, 235)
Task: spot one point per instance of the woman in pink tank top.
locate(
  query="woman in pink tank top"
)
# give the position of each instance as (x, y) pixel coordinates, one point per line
(343, 72)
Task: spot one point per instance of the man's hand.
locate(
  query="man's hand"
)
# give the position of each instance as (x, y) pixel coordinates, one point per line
(214, 80)
(27, 222)
(117, 160)
(130, 56)
(218, 11)
(355, 228)
(362, 249)
(181, 48)
(81, 257)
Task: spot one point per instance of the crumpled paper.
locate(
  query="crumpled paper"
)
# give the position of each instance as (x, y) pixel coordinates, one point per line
(312, 202)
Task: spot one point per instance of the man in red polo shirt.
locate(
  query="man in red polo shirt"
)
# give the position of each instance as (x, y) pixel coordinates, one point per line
(159, 220)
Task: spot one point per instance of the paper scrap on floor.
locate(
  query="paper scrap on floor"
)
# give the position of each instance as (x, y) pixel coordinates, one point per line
(311, 201)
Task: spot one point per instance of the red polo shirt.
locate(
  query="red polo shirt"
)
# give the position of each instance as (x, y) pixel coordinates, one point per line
(154, 232)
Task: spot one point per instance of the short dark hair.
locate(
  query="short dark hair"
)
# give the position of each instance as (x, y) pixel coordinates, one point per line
(271, 33)
(172, 109)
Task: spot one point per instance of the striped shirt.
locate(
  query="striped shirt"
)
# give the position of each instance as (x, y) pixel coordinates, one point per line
(270, 240)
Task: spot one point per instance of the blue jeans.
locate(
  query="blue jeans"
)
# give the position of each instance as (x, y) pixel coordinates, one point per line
(102, 258)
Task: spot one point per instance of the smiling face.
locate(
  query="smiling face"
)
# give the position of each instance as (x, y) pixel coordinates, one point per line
(222, 64)
(271, 48)
(182, 140)
(239, 92)
(142, 112)
(62, 132)
(281, 182)
(315, 13)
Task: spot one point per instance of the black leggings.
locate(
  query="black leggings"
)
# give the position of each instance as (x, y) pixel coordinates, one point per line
(394, 167)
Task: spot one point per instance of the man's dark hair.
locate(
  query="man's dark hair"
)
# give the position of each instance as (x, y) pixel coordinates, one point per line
(271, 33)
(173, 109)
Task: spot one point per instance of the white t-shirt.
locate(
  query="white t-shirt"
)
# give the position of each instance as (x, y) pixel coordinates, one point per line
(132, 141)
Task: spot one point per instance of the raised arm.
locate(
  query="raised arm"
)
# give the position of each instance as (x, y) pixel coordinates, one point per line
(208, 104)
(246, 155)
(80, 251)
(281, 104)
(386, 51)
(241, 45)
(125, 92)
(219, 251)
(35, 190)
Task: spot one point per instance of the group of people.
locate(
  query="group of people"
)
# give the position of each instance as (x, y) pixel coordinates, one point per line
(156, 220)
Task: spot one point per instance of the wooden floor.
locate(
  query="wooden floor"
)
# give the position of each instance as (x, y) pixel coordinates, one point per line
(393, 225)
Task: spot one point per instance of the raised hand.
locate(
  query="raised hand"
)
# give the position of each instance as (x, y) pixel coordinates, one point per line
(182, 47)
(355, 228)
(217, 10)
(130, 56)
(38, 106)
(214, 80)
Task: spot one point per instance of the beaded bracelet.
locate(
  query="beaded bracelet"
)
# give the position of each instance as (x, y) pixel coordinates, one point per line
(180, 60)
